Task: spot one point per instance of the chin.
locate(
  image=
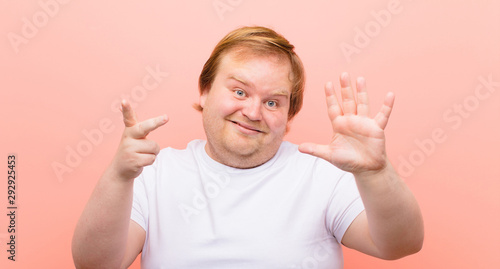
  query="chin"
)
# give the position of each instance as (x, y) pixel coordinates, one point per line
(241, 148)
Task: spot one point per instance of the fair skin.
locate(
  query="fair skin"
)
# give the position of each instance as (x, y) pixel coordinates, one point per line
(245, 118)
(105, 237)
(245, 111)
(391, 226)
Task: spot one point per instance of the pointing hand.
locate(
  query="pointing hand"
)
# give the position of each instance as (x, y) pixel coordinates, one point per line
(135, 151)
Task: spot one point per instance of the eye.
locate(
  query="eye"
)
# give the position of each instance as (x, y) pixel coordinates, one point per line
(239, 93)
(272, 104)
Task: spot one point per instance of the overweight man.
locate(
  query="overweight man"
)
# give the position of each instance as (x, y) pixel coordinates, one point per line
(245, 198)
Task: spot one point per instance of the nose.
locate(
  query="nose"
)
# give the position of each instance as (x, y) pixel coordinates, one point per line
(252, 109)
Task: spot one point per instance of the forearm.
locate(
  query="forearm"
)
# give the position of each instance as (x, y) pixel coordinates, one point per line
(100, 236)
(394, 219)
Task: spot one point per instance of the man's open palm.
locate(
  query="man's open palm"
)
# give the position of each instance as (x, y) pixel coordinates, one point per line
(358, 141)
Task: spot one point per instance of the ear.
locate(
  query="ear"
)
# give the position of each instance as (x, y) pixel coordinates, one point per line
(203, 98)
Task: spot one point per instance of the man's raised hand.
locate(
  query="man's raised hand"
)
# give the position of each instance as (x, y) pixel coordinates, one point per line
(358, 141)
(135, 151)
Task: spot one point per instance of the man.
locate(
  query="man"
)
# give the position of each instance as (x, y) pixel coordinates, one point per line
(245, 198)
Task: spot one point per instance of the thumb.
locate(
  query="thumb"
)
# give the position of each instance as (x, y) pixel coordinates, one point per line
(320, 151)
(129, 117)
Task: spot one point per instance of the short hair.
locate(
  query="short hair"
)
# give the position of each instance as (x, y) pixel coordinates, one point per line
(259, 41)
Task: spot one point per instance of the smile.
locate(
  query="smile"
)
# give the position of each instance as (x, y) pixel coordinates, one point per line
(245, 128)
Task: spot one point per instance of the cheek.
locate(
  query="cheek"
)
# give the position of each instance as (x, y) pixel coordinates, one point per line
(227, 106)
(223, 105)
(277, 122)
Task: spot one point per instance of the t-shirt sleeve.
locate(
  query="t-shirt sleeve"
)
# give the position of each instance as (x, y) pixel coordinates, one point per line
(345, 205)
(140, 211)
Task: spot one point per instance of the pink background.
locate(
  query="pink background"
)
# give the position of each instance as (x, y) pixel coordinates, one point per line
(62, 78)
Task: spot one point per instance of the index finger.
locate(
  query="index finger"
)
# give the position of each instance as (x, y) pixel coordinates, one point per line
(332, 103)
(129, 117)
(142, 129)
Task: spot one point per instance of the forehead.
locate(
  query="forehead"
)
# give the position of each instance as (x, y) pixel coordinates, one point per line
(249, 65)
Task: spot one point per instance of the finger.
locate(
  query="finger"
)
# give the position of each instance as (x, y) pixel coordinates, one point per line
(383, 115)
(145, 159)
(332, 102)
(128, 114)
(142, 129)
(320, 151)
(148, 147)
(348, 99)
(362, 97)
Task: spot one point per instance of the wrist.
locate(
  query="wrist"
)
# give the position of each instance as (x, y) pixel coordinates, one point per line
(381, 182)
(115, 173)
(383, 170)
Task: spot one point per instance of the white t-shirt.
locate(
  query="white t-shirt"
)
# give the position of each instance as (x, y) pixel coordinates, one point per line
(290, 212)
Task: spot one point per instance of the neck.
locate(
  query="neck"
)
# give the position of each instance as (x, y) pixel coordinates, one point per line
(237, 160)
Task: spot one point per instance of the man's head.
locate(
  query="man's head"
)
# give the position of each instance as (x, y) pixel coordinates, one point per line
(250, 88)
(256, 41)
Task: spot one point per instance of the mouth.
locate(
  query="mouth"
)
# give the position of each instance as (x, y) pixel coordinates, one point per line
(247, 127)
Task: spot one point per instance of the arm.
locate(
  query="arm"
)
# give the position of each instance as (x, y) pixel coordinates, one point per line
(105, 237)
(391, 225)
(135, 241)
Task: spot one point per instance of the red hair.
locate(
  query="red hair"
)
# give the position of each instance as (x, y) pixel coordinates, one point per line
(260, 41)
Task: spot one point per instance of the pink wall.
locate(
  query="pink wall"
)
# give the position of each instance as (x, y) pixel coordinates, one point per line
(64, 64)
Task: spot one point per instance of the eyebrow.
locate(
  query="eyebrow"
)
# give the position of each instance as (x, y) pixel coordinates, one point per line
(242, 81)
(280, 93)
(250, 84)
